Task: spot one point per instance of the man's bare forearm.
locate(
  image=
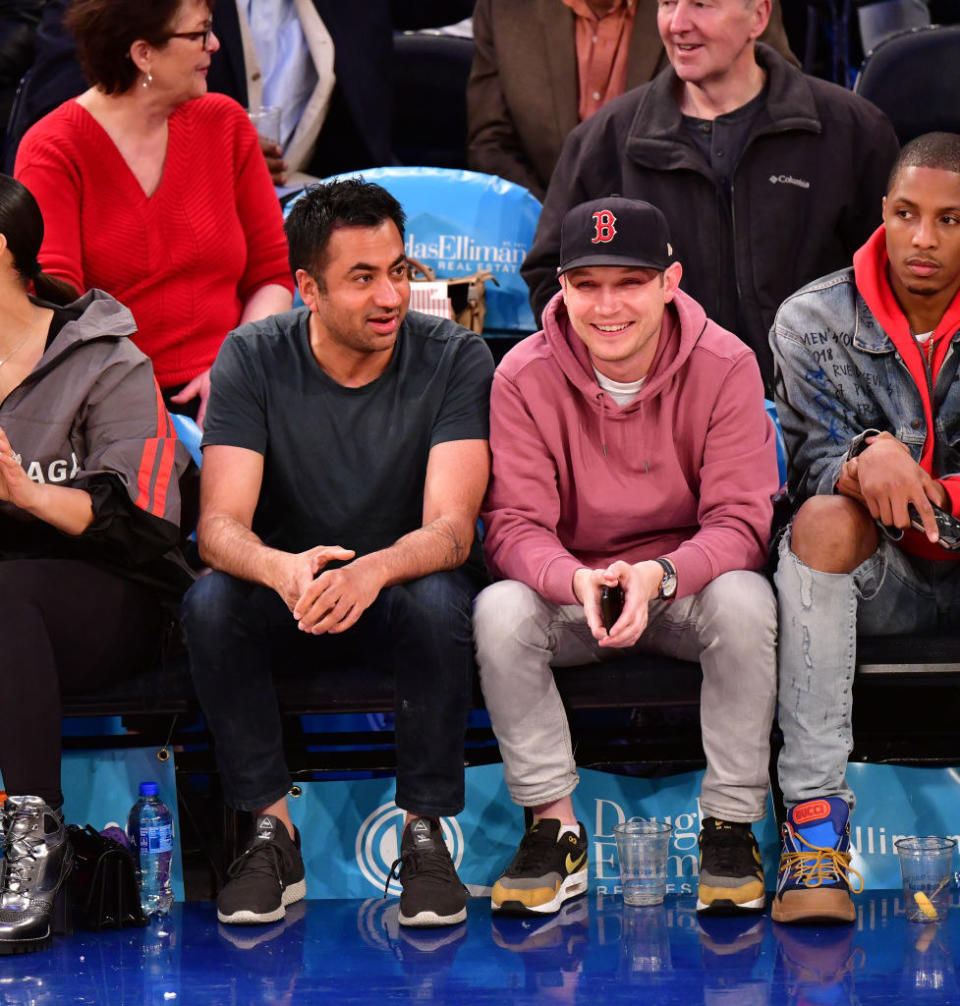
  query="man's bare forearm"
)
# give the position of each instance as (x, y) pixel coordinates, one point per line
(231, 547)
(442, 544)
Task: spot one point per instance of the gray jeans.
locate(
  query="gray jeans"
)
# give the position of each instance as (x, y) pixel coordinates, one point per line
(730, 627)
(820, 616)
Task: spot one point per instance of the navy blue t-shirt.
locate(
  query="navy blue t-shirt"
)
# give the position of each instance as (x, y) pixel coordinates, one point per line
(345, 466)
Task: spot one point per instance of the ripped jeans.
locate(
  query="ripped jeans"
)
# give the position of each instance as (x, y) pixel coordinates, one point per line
(820, 616)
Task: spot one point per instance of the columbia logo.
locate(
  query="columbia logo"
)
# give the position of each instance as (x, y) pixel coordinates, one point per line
(789, 180)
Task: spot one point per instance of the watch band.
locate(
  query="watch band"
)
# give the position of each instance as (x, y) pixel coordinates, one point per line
(668, 585)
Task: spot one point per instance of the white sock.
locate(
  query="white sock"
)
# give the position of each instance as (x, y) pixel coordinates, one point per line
(573, 829)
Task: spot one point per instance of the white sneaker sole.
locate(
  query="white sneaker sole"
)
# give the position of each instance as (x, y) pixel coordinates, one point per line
(291, 894)
(731, 907)
(575, 884)
(432, 919)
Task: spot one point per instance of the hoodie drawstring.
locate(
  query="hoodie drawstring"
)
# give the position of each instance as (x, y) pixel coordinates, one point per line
(601, 401)
(603, 428)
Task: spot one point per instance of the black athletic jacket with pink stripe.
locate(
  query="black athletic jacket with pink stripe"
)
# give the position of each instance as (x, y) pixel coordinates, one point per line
(90, 416)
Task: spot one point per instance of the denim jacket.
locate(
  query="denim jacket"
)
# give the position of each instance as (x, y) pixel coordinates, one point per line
(839, 374)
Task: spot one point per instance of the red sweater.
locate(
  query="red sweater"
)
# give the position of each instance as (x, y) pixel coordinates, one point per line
(184, 260)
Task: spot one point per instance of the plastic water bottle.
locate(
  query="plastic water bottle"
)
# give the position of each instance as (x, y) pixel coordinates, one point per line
(150, 829)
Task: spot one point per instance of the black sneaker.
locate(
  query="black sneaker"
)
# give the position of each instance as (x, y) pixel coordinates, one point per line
(266, 877)
(432, 892)
(731, 871)
(545, 872)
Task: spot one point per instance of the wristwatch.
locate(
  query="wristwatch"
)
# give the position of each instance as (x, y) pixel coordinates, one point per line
(668, 585)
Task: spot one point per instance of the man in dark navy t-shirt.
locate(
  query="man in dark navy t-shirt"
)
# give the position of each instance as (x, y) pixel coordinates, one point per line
(345, 459)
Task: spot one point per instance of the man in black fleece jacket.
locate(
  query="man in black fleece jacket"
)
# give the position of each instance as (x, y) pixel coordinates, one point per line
(768, 178)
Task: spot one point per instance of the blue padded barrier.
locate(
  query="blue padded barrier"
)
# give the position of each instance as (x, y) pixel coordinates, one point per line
(781, 446)
(190, 434)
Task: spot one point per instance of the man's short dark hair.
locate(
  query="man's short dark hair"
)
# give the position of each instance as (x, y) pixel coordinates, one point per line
(932, 150)
(105, 30)
(323, 208)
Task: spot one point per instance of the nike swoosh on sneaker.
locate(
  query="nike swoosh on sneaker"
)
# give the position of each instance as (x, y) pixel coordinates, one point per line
(573, 865)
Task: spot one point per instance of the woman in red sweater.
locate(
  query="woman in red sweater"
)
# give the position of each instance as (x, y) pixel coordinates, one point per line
(157, 192)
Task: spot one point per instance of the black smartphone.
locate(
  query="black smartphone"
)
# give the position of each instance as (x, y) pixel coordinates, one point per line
(947, 525)
(611, 605)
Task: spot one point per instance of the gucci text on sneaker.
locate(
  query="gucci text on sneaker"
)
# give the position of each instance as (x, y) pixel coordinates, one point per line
(813, 884)
(731, 871)
(548, 869)
(266, 877)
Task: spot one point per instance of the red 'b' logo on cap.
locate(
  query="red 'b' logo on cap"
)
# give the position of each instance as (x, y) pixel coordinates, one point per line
(604, 221)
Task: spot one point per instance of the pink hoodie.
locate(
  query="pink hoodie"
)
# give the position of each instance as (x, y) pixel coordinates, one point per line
(686, 471)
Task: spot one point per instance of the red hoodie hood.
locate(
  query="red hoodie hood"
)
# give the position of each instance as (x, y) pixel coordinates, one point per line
(871, 271)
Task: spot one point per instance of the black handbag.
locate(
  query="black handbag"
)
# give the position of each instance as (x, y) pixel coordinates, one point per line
(103, 887)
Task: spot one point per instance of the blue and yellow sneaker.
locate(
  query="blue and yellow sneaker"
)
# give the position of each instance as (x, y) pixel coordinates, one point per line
(813, 884)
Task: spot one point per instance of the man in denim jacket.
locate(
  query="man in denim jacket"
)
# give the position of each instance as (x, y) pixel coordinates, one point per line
(869, 400)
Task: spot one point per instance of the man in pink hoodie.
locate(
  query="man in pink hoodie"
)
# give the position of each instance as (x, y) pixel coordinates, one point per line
(630, 449)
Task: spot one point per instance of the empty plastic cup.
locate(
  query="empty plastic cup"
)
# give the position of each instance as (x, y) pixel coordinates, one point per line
(266, 120)
(926, 865)
(642, 850)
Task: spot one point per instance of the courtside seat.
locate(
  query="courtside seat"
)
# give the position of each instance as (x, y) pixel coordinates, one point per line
(904, 688)
(429, 110)
(914, 77)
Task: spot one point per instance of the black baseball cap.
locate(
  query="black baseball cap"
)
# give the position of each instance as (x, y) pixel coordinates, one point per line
(615, 231)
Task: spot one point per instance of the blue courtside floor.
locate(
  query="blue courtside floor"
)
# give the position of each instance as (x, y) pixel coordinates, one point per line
(596, 951)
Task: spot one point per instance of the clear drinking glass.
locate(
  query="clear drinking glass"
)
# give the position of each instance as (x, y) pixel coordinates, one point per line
(266, 120)
(642, 850)
(926, 865)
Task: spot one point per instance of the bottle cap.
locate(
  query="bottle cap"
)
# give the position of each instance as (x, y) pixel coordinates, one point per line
(148, 789)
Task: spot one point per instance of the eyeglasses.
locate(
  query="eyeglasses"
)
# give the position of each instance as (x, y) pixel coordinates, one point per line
(193, 36)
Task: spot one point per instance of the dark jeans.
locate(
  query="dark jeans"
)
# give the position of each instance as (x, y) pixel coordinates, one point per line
(239, 634)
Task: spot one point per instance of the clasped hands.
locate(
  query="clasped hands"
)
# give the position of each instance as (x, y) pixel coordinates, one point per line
(15, 485)
(885, 479)
(640, 583)
(327, 600)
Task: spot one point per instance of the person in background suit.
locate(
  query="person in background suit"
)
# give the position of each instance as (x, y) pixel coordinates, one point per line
(351, 117)
(532, 59)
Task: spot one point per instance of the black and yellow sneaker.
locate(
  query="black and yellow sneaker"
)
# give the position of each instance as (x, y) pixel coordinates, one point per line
(548, 869)
(731, 871)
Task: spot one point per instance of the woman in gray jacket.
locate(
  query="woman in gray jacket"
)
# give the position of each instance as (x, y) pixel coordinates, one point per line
(89, 529)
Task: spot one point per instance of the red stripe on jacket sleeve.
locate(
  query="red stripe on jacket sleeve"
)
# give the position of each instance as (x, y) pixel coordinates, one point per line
(163, 477)
(167, 438)
(145, 473)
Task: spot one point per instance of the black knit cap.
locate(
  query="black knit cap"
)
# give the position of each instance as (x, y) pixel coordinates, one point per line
(615, 231)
